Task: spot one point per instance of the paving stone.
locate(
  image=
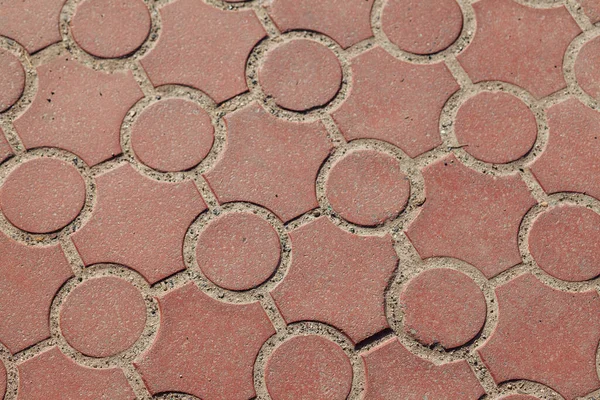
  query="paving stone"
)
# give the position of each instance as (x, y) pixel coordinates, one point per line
(592, 9)
(393, 372)
(42, 195)
(563, 241)
(521, 45)
(110, 28)
(367, 187)
(29, 279)
(395, 101)
(587, 67)
(103, 316)
(518, 397)
(78, 109)
(553, 328)
(203, 47)
(204, 347)
(422, 27)
(172, 135)
(12, 79)
(270, 162)
(5, 149)
(337, 278)
(301, 74)
(139, 223)
(470, 216)
(51, 375)
(308, 368)
(238, 251)
(346, 22)
(487, 134)
(570, 161)
(3, 380)
(443, 306)
(33, 24)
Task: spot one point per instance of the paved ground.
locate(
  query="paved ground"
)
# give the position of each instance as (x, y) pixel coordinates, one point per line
(299, 199)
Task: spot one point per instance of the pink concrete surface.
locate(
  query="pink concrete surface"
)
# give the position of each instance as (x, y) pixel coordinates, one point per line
(299, 199)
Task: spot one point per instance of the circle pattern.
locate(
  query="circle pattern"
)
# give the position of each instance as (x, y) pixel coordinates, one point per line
(486, 133)
(172, 135)
(42, 195)
(12, 80)
(238, 251)
(301, 75)
(103, 316)
(564, 242)
(308, 368)
(367, 187)
(587, 68)
(111, 28)
(443, 306)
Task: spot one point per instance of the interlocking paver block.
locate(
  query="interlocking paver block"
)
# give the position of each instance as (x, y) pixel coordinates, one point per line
(301, 74)
(519, 44)
(563, 241)
(42, 195)
(29, 279)
(203, 47)
(103, 316)
(5, 150)
(51, 375)
(139, 223)
(78, 109)
(337, 278)
(34, 24)
(238, 251)
(204, 347)
(554, 329)
(270, 161)
(308, 368)
(484, 132)
(394, 101)
(443, 306)
(393, 373)
(592, 9)
(3, 380)
(172, 135)
(570, 161)
(587, 67)
(110, 28)
(12, 79)
(422, 26)
(367, 187)
(346, 22)
(470, 216)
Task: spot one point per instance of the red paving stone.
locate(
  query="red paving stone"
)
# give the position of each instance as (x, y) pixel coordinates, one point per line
(301, 74)
(394, 101)
(485, 133)
(42, 195)
(338, 302)
(378, 192)
(308, 368)
(443, 306)
(12, 79)
(422, 27)
(103, 316)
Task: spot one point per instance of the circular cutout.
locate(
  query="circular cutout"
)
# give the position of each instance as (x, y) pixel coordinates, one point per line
(443, 306)
(564, 242)
(238, 251)
(42, 195)
(103, 316)
(422, 26)
(587, 68)
(172, 135)
(111, 28)
(486, 133)
(367, 187)
(300, 75)
(308, 368)
(12, 80)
